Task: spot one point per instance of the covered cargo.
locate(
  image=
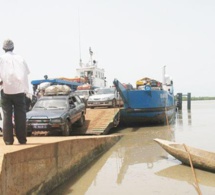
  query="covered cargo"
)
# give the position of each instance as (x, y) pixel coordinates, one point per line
(57, 90)
(146, 81)
(84, 87)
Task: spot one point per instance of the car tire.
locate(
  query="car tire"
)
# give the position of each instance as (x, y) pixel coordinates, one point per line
(81, 121)
(113, 103)
(66, 129)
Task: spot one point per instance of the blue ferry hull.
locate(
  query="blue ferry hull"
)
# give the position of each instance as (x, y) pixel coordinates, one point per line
(145, 107)
(132, 117)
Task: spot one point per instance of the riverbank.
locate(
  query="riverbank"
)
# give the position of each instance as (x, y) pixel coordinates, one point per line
(46, 162)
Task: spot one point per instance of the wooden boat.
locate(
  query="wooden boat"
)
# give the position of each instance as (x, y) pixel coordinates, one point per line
(200, 159)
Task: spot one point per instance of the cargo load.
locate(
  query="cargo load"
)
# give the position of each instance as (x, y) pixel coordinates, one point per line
(76, 79)
(43, 86)
(57, 90)
(140, 84)
(84, 87)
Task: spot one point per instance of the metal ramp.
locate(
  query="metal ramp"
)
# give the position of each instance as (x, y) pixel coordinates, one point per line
(98, 121)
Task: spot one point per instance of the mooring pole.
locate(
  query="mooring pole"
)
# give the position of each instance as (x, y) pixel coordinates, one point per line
(189, 101)
(179, 101)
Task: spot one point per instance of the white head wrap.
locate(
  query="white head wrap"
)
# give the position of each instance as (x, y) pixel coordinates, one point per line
(8, 45)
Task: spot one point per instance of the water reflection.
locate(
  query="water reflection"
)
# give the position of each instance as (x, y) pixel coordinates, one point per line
(138, 165)
(85, 178)
(136, 148)
(189, 116)
(179, 117)
(184, 173)
(141, 149)
(183, 117)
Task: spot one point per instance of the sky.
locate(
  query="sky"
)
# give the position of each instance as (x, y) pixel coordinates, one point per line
(130, 39)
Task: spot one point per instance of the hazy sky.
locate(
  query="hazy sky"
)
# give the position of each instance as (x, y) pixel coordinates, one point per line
(131, 39)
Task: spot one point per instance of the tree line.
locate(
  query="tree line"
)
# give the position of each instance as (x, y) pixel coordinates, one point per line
(184, 98)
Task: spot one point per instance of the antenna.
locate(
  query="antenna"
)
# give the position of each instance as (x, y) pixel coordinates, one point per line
(91, 56)
(79, 37)
(164, 73)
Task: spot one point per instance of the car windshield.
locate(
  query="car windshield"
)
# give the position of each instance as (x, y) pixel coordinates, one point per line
(81, 92)
(106, 91)
(51, 104)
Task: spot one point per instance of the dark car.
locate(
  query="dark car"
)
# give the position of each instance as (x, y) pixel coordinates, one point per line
(56, 113)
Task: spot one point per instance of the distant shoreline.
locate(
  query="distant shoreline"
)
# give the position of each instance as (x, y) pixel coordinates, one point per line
(198, 98)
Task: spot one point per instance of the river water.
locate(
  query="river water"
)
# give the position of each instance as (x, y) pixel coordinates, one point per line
(137, 165)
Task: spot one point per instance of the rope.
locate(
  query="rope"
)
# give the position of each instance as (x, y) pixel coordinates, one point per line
(196, 184)
(167, 121)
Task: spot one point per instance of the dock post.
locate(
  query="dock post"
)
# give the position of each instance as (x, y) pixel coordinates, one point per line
(188, 101)
(179, 101)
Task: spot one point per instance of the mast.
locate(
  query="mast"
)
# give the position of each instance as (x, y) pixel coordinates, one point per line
(91, 56)
(79, 38)
(164, 73)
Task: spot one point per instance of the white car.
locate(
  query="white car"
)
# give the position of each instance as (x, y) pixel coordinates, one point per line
(105, 97)
(84, 94)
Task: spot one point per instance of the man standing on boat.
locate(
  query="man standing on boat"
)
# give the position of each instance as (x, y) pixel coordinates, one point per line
(14, 76)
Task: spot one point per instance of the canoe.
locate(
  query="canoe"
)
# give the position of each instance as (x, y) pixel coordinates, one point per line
(201, 159)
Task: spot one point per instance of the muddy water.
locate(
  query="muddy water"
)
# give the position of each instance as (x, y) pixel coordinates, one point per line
(137, 165)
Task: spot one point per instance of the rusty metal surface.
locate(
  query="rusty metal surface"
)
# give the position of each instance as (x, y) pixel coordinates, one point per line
(98, 121)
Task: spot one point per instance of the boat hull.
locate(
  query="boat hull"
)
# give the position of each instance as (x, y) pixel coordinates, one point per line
(147, 108)
(200, 159)
(147, 116)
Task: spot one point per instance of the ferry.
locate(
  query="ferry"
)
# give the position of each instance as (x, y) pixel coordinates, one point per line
(150, 103)
(89, 76)
(92, 74)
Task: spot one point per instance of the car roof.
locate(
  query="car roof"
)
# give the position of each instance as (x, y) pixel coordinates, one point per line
(57, 96)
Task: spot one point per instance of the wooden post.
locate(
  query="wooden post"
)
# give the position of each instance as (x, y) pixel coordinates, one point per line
(179, 101)
(189, 101)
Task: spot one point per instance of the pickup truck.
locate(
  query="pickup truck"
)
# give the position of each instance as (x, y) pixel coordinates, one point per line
(56, 113)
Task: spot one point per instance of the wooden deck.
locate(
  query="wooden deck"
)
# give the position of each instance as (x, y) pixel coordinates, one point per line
(98, 121)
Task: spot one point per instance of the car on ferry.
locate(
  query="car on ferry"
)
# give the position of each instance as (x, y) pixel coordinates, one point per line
(105, 97)
(56, 113)
(84, 94)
